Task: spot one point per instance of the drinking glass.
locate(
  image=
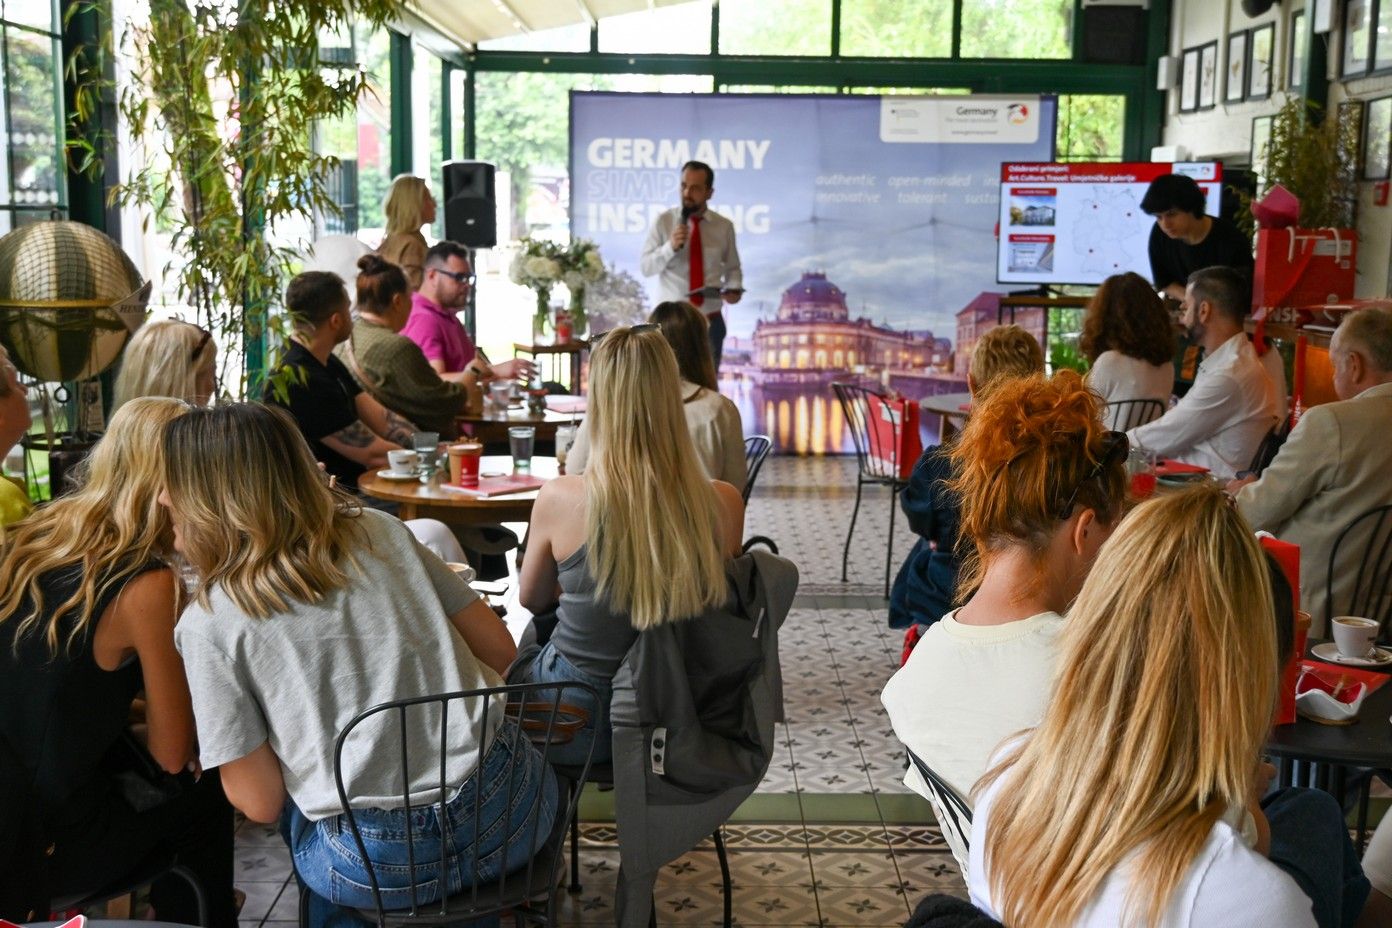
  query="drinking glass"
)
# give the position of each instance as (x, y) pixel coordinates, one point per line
(1140, 465)
(521, 438)
(500, 392)
(565, 437)
(427, 445)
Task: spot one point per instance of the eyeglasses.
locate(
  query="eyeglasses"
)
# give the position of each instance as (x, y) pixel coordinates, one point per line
(641, 327)
(463, 278)
(203, 340)
(1115, 447)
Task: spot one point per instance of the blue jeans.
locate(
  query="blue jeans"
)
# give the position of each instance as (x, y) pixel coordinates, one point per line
(328, 863)
(551, 666)
(1310, 842)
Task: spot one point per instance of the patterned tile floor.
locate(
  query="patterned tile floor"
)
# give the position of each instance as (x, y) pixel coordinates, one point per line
(832, 837)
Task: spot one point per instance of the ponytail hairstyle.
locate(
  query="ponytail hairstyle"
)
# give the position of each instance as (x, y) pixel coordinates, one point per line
(379, 282)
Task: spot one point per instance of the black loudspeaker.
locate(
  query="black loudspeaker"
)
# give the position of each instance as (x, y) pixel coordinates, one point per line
(471, 206)
(1114, 35)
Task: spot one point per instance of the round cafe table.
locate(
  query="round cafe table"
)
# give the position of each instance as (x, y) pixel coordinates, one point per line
(491, 426)
(422, 501)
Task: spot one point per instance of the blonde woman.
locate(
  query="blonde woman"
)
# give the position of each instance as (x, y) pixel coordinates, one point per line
(712, 420)
(640, 539)
(1136, 799)
(308, 610)
(168, 357)
(409, 206)
(87, 617)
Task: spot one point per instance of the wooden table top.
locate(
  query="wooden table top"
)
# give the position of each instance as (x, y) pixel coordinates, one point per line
(418, 500)
(947, 404)
(518, 415)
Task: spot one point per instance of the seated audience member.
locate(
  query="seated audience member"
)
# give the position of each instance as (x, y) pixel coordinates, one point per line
(331, 609)
(1333, 467)
(86, 624)
(409, 206)
(712, 420)
(1222, 420)
(168, 357)
(1129, 341)
(1185, 239)
(1138, 798)
(390, 366)
(347, 429)
(433, 325)
(642, 538)
(924, 588)
(14, 422)
(1040, 485)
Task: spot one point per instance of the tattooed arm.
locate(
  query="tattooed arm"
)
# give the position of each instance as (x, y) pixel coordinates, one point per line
(389, 425)
(357, 443)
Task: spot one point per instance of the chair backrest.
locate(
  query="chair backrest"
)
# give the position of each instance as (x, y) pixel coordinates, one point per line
(1270, 444)
(1366, 541)
(540, 714)
(756, 448)
(1124, 415)
(953, 813)
(872, 451)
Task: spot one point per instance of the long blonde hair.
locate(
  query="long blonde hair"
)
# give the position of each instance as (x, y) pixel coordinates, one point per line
(163, 359)
(653, 521)
(1166, 687)
(405, 201)
(255, 514)
(110, 527)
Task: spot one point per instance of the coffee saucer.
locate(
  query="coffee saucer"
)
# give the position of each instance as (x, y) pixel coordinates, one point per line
(1329, 651)
(393, 475)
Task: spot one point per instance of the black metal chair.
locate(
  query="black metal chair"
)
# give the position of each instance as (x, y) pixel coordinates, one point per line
(756, 448)
(1124, 415)
(1369, 539)
(876, 465)
(543, 716)
(1270, 444)
(951, 810)
(155, 867)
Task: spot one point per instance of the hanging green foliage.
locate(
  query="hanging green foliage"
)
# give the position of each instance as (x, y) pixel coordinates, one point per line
(1313, 158)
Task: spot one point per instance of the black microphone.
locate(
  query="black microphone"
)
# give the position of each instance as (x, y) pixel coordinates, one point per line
(686, 217)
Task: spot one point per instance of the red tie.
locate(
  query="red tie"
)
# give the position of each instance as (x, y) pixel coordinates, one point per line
(698, 263)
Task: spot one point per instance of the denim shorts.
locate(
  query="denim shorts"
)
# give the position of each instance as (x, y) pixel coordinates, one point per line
(327, 859)
(551, 666)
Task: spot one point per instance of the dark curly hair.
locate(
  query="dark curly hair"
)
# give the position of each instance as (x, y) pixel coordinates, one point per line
(1125, 315)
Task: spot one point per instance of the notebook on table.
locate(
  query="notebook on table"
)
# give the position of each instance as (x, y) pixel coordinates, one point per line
(498, 486)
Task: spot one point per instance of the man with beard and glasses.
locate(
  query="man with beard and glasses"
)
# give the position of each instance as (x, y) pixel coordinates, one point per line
(1227, 412)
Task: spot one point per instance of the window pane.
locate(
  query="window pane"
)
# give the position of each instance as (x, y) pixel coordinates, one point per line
(772, 88)
(35, 13)
(427, 150)
(374, 133)
(896, 28)
(457, 79)
(1090, 128)
(31, 75)
(574, 38)
(911, 91)
(1017, 28)
(775, 27)
(680, 29)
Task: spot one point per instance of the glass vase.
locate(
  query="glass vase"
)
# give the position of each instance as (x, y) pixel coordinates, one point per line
(541, 319)
(579, 322)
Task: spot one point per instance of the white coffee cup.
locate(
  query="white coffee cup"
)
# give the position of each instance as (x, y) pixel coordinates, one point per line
(1354, 635)
(403, 461)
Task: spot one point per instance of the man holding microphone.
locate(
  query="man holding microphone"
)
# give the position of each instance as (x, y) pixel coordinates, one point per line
(692, 252)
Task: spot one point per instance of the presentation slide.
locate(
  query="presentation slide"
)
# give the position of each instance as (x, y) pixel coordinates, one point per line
(1082, 223)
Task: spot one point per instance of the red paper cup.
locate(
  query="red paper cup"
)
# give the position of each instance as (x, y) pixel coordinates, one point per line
(464, 464)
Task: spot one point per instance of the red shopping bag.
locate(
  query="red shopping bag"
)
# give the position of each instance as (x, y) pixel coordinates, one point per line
(1304, 267)
(895, 441)
(1287, 555)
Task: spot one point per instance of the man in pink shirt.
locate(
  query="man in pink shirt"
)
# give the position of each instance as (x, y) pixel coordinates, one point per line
(433, 325)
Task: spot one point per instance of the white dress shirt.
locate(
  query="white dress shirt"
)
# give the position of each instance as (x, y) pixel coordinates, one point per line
(673, 268)
(1222, 419)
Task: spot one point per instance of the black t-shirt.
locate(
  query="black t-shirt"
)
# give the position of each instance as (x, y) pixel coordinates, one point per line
(322, 405)
(1172, 260)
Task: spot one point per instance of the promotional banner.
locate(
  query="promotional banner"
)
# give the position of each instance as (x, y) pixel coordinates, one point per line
(865, 227)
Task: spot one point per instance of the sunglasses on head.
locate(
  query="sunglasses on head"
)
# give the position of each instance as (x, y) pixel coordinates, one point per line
(204, 337)
(1115, 447)
(641, 327)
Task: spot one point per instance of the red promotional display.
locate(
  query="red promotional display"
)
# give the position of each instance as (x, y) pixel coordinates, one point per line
(1287, 556)
(1304, 267)
(895, 442)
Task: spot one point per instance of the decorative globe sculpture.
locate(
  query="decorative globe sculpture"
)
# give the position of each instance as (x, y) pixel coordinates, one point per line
(69, 298)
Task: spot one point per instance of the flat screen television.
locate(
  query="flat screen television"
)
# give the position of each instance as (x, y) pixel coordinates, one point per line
(1081, 223)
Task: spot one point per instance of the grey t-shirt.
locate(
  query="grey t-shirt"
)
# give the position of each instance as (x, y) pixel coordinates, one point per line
(298, 677)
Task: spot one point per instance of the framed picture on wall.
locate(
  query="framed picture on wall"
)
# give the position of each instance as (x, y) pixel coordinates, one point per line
(1261, 134)
(1189, 81)
(1377, 140)
(1208, 76)
(1382, 37)
(1358, 37)
(1235, 79)
(1263, 42)
(1295, 63)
